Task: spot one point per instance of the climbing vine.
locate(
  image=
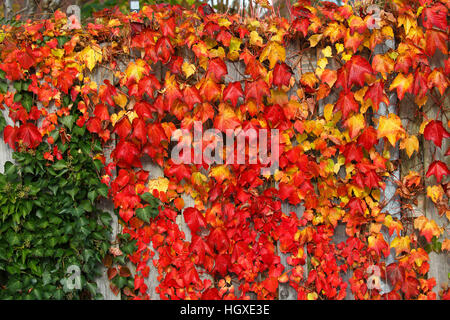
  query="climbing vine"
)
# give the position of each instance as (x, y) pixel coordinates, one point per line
(135, 79)
(51, 227)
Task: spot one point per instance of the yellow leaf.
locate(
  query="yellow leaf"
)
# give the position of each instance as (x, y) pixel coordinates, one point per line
(90, 56)
(355, 124)
(391, 128)
(220, 173)
(309, 79)
(59, 53)
(312, 296)
(114, 23)
(224, 22)
(121, 100)
(387, 31)
(322, 63)
(428, 228)
(410, 144)
(188, 69)
(339, 47)
(423, 126)
(435, 193)
(328, 112)
(446, 245)
(117, 116)
(347, 56)
(314, 39)
(327, 52)
(255, 39)
(274, 52)
(136, 70)
(235, 44)
(160, 184)
(401, 244)
(131, 116)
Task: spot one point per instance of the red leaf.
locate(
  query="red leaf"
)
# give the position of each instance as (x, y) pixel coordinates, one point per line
(435, 16)
(410, 287)
(256, 90)
(112, 272)
(435, 132)
(194, 219)
(281, 74)
(149, 85)
(139, 130)
(368, 138)
(25, 58)
(285, 191)
(201, 248)
(437, 169)
(233, 92)
(211, 294)
(222, 264)
(9, 135)
(347, 103)
(435, 39)
(94, 125)
(123, 127)
(143, 110)
(180, 171)
(191, 96)
(217, 69)
(394, 274)
(101, 112)
(376, 94)
(29, 135)
(168, 27)
(126, 154)
(218, 240)
(355, 71)
(164, 49)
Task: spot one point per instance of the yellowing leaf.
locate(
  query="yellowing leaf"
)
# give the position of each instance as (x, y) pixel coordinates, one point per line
(435, 193)
(136, 70)
(274, 52)
(90, 56)
(59, 53)
(121, 100)
(401, 244)
(322, 63)
(188, 69)
(410, 144)
(327, 52)
(428, 228)
(328, 112)
(314, 39)
(355, 124)
(255, 39)
(235, 44)
(160, 184)
(339, 47)
(220, 173)
(391, 128)
(117, 116)
(131, 116)
(224, 22)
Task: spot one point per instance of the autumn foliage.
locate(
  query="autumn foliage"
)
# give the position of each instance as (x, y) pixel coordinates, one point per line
(324, 78)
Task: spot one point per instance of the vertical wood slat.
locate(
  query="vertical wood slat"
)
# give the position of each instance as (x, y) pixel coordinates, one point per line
(411, 118)
(439, 262)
